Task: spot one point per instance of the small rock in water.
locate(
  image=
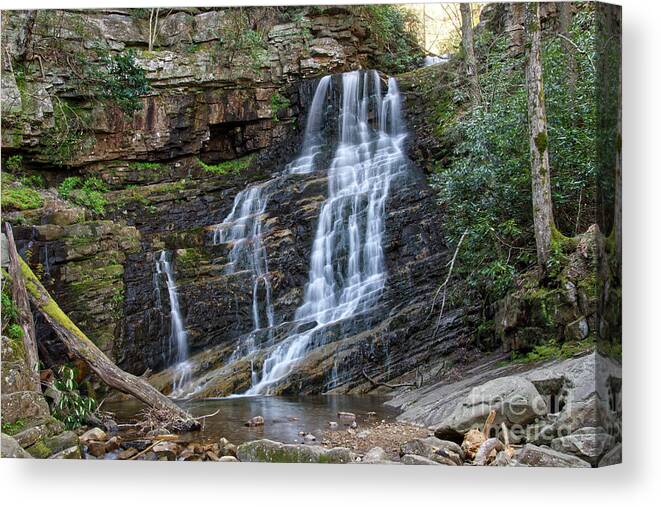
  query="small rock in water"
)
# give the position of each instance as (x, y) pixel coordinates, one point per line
(113, 444)
(310, 438)
(228, 459)
(167, 449)
(354, 425)
(93, 434)
(127, 453)
(96, 449)
(258, 420)
(301, 433)
(332, 425)
(223, 442)
(346, 417)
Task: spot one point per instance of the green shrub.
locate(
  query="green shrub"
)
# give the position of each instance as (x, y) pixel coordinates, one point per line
(88, 192)
(229, 167)
(15, 332)
(13, 428)
(14, 163)
(70, 406)
(278, 104)
(485, 185)
(121, 81)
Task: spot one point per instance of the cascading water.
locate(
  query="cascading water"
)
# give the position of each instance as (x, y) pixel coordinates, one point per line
(243, 227)
(347, 269)
(178, 336)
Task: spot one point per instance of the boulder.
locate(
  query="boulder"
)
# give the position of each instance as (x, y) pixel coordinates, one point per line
(515, 400)
(534, 456)
(38, 429)
(10, 448)
(93, 434)
(587, 443)
(442, 451)
(53, 445)
(166, 450)
(376, 456)
(414, 459)
(269, 451)
(612, 457)
(96, 448)
(72, 452)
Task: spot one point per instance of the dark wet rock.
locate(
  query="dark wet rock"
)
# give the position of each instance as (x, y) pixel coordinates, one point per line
(96, 448)
(276, 452)
(534, 456)
(10, 448)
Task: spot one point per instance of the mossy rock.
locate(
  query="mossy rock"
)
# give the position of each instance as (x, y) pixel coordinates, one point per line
(269, 451)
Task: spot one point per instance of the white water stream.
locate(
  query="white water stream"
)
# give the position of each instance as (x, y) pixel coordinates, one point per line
(347, 269)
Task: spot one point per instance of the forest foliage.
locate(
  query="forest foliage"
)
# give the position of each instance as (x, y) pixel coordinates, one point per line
(485, 187)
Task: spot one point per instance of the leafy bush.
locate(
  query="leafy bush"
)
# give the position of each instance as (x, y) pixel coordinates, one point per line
(14, 163)
(396, 32)
(88, 192)
(13, 428)
(70, 406)
(278, 104)
(121, 81)
(486, 188)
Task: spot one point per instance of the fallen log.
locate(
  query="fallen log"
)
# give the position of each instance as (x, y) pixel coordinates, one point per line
(20, 298)
(81, 346)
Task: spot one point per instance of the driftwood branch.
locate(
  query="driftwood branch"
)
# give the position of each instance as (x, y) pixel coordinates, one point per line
(385, 384)
(81, 346)
(485, 450)
(20, 297)
(444, 285)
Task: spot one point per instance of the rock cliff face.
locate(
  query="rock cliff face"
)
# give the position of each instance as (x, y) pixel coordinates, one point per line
(212, 124)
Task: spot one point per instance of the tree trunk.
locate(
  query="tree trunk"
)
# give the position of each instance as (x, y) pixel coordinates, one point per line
(81, 346)
(565, 10)
(469, 51)
(20, 298)
(539, 155)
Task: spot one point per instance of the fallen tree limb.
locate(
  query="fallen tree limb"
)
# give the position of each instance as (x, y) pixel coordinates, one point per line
(81, 346)
(20, 297)
(385, 384)
(485, 450)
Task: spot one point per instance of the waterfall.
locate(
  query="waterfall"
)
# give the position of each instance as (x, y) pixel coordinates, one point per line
(347, 269)
(178, 336)
(243, 227)
(313, 140)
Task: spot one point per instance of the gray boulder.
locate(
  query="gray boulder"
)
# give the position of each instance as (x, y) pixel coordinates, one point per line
(534, 456)
(612, 457)
(586, 443)
(414, 459)
(269, 451)
(442, 451)
(376, 456)
(9, 448)
(515, 400)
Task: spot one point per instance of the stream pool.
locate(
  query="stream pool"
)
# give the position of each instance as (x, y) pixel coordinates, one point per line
(284, 417)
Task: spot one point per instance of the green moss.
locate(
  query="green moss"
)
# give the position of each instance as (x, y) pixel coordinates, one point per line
(147, 166)
(229, 167)
(278, 104)
(541, 142)
(19, 198)
(40, 450)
